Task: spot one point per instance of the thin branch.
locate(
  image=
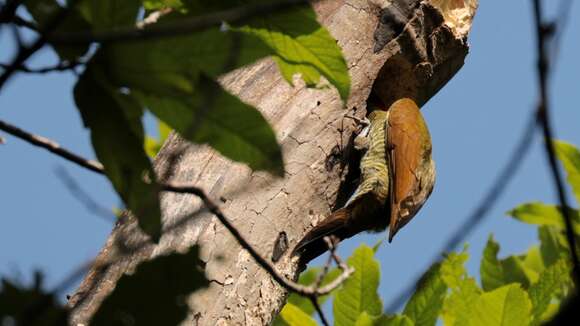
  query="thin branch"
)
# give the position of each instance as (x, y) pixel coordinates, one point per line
(8, 10)
(319, 310)
(322, 275)
(324, 272)
(188, 189)
(332, 248)
(61, 66)
(51, 146)
(265, 264)
(25, 53)
(543, 33)
(82, 196)
(21, 22)
(183, 26)
(482, 210)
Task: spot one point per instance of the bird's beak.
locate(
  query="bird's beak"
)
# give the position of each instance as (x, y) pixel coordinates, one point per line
(393, 229)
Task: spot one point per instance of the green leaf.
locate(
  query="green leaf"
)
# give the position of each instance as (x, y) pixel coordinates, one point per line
(156, 293)
(569, 155)
(152, 145)
(552, 284)
(294, 316)
(452, 269)
(496, 273)
(213, 116)
(426, 303)
(394, 320)
(553, 245)
(533, 263)
(300, 45)
(507, 305)
(308, 277)
(359, 292)
(30, 305)
(458, 307)
(364, 319)
(161, 4)
(107, 14)
(164, 131)
(542, 214)
(43, 10)
(117, 136)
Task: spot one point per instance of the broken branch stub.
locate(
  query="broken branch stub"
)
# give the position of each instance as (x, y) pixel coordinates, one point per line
(415, 62)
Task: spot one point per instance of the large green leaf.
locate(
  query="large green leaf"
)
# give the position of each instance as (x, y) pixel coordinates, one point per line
(553, 282)
(215, 117)
(506, 306)
(569, 155)
(107, 14)
(426, 303)
(496, 273)
(155, 294)
(294, 37)
(117, 136)
(542, 214)
(43, 10)
(359, 292)
(301, 46)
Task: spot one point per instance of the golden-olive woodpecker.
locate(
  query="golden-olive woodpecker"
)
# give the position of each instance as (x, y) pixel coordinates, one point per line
(397, 177)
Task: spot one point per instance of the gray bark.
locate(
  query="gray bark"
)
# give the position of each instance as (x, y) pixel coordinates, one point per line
(416, 63)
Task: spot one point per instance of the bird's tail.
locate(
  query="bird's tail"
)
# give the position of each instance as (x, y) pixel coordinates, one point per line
(335, 226)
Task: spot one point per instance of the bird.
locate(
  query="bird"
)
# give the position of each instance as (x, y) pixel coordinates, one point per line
(397, 176)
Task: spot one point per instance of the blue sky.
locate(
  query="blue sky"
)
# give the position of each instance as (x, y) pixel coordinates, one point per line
(475, 121)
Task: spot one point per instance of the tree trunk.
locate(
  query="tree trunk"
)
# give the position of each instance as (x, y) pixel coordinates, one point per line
(413, 52)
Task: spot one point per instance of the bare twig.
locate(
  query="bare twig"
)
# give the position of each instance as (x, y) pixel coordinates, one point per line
(25, 53)
(90, 204)
(51, 146)
(322, 275)
(189, 189)
(21, 22)
(363, 122)
(183, 26)
(481, 211)
(61, 66)
(265, 264)
(8, 10)
(319, 310)
(324, 271)
(544, 32)
(332, 248)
